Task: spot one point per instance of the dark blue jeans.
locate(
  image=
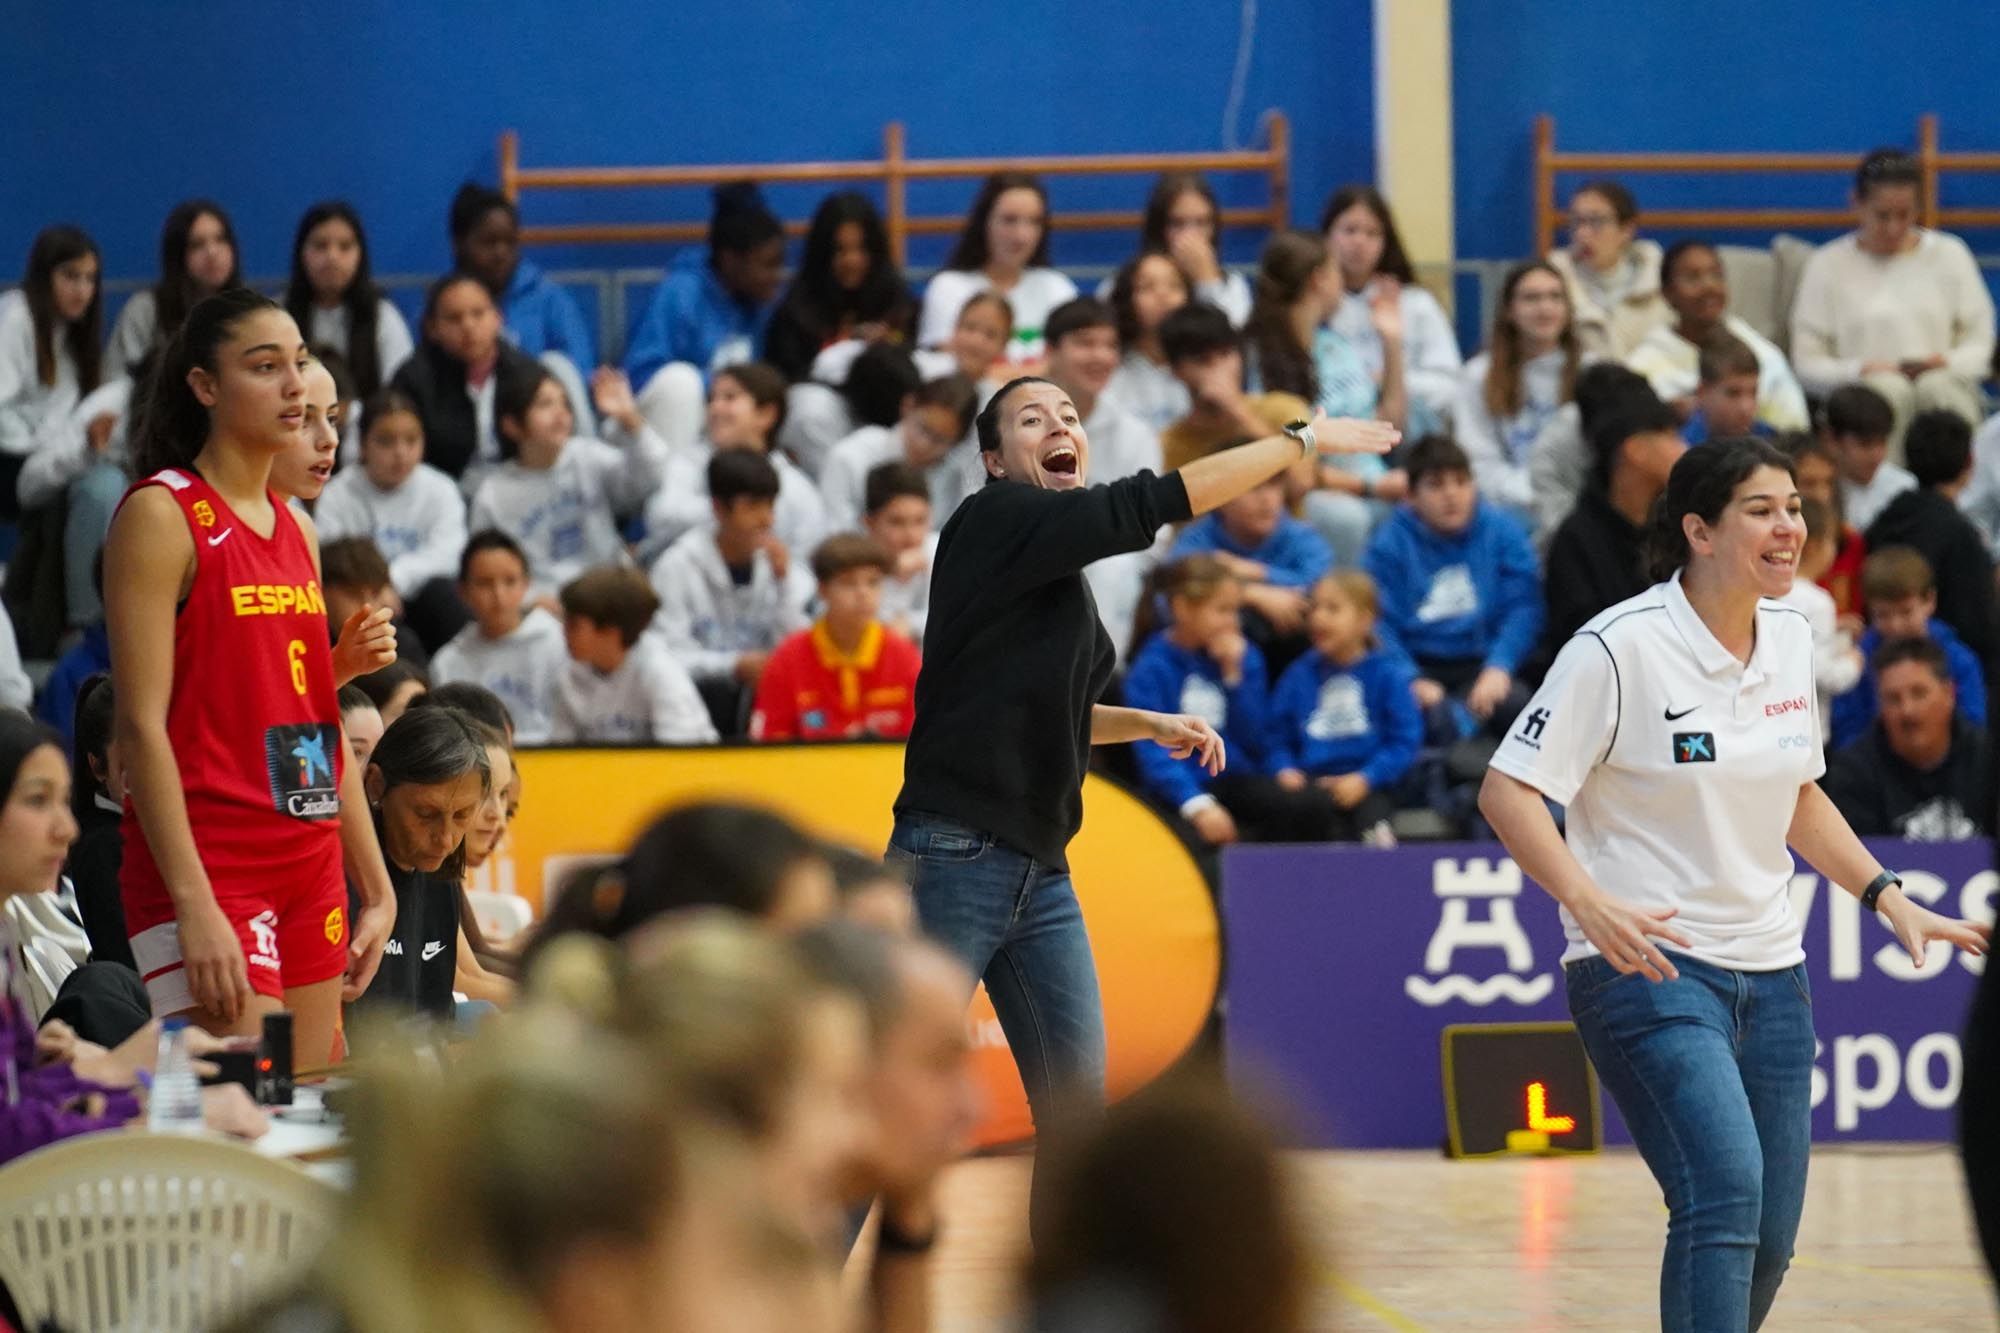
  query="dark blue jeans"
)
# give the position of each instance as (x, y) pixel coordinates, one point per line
(1713, 1074)
(1015, 924)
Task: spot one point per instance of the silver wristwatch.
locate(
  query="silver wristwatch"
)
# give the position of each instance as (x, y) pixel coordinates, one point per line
(1302, 431)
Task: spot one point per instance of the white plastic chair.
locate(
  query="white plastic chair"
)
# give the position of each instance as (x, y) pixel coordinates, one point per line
(125, 1230)
(501, 916)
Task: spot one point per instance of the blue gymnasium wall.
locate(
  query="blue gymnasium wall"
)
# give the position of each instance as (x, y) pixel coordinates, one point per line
(1778, 75)
(122, 107)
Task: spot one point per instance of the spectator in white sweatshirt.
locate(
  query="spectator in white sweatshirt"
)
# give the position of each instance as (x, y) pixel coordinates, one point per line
(1900, 307)
(899, 519)
(1510, 393)
(746, 410)
(729, 594)
(334, 300)
(563, 496)
(934, 436)
(1004, 247)
(518, 656)
(1858, 425)
(1695, 286)
(621, 687)
(414, 513)
(198, 258)
(1361, 232)
(50, 366)
(1143, 294)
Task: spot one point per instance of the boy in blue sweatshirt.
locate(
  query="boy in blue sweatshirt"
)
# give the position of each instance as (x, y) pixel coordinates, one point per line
(1277, 557)
(1344, 720)
(1901, 596)
(539, 315)
(1461, 592)
(712, 310)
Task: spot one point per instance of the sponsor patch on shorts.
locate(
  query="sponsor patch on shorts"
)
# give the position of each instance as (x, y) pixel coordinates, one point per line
(301, 760)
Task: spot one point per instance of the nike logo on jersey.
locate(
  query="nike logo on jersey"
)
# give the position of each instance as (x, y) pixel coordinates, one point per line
(1672, 716)
(433, 949)
(220, 537)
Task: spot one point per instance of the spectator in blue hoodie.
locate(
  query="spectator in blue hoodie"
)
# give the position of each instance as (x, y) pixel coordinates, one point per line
(711, 312)
(1461, 592)
(1201, 663)
(1344, 719)
(1902, 601)
(1277, 557)
(539, 316)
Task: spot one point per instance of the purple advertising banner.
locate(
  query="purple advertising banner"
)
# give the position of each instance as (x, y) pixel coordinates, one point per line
(1345, 964)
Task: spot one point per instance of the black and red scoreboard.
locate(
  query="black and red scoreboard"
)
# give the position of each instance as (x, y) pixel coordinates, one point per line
(1520, 1088)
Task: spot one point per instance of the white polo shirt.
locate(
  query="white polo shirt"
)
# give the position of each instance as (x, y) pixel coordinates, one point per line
(1681, 768)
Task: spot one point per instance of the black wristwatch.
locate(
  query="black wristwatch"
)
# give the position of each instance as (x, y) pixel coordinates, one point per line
(1877, 885)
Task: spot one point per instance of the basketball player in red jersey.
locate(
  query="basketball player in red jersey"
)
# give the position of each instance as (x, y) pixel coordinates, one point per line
(241, 808)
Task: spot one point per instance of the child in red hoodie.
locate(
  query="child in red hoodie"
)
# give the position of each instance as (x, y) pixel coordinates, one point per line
(848, 676)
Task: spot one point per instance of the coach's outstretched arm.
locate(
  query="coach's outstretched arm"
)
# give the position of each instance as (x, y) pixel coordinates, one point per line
(1222, 476)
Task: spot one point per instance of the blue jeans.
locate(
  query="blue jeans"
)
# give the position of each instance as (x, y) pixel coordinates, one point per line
(1015, 924)
(1713, 1074)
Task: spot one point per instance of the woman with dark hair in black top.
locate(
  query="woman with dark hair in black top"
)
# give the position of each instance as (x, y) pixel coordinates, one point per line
(425, 783)
(1015, 660)
(848, 286)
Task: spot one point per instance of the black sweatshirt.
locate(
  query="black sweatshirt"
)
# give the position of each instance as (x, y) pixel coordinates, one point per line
(1015, 656)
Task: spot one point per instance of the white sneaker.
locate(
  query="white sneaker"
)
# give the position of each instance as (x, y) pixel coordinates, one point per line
(1379, 835)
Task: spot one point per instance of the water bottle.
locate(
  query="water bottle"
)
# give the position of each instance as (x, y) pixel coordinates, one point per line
(175, 1107)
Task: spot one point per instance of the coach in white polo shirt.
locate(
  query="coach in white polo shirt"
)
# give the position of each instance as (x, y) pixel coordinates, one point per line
(1681, 730)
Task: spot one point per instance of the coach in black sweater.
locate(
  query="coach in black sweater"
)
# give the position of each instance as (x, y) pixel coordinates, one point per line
(1014, 662)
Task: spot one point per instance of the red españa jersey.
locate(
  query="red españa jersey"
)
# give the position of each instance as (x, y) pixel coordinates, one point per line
(254, 720)
(811, 691)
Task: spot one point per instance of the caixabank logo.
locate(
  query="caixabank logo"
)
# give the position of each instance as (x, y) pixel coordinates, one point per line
(300, 761)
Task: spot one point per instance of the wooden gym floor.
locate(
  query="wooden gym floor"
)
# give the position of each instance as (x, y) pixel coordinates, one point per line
(1413, 1242)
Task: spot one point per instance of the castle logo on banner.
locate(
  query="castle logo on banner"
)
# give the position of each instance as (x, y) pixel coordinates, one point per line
(1493, 936)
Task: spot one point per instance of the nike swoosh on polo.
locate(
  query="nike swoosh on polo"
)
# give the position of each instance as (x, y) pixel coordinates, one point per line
(1672, 716)
(432, 950)
(217, 539)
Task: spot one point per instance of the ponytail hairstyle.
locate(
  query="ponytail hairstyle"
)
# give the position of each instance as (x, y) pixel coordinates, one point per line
(426, 746)
(1284, 364)
(362, 299)
(1197, 578)
(971, 251)
(1506, 356)
(92, 723)
(740, 220)
(174, 295)
(170, 425)
(54, 247)
(1701, 485)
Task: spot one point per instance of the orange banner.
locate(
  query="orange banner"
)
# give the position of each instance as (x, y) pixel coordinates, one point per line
(1152, 922)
